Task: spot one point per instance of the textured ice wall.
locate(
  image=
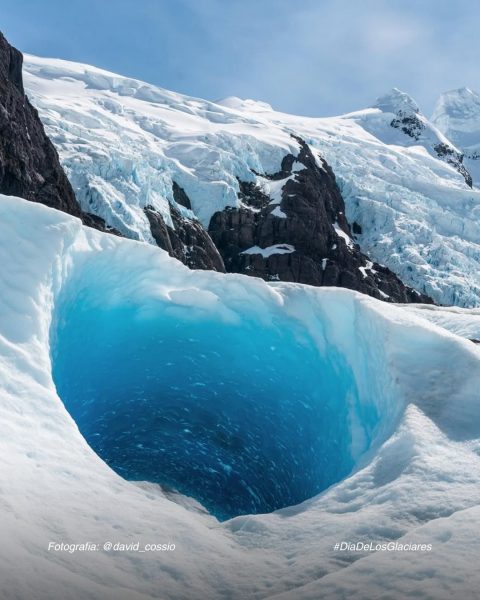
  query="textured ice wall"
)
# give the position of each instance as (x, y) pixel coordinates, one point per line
(245, 415)
(412, 486)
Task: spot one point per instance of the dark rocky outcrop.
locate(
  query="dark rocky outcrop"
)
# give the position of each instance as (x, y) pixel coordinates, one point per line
(29, 164)
(180, 196)
(454, 158)
(310, 219)
(410, 124)
(187, 240)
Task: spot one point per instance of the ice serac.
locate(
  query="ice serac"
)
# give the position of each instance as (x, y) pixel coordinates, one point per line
(457, 115)
(29, 164)
(291, 226)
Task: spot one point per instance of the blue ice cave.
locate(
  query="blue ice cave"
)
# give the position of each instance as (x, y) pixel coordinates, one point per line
(244, 417)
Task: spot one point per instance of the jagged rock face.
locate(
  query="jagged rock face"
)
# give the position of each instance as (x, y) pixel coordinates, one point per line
(29, 164)
(301, 236)
(409, 124)
(454, 158)
(187, 241)
(30, 169)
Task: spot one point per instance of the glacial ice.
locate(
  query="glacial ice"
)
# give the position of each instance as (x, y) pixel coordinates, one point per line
(409, 464)
(242, 416)
(123, 142)
(178, 396)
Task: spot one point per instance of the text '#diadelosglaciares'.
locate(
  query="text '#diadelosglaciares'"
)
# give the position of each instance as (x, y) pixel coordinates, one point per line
(381, 547)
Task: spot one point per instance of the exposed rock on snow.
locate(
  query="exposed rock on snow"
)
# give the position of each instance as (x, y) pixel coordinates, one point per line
(174, 227)
(311, 224)
(186, 240)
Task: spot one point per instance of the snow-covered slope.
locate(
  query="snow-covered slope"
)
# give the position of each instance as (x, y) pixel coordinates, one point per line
(123, 142)
(409, 423)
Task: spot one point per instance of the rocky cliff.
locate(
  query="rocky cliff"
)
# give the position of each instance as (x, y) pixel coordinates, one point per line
(299, 233)
(29, 164)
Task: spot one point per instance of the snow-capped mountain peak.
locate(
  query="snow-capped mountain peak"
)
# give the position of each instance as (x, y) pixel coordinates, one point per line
(457, 116)
(397, 102)
(244, 104)
(396, 119)
(461, 103)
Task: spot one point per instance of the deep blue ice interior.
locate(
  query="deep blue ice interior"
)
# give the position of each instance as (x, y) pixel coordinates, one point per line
(245, 418)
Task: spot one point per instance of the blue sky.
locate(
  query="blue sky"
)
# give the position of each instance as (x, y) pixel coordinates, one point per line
(313, 57)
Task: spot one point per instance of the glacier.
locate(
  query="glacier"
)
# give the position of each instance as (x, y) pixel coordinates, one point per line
(84, 316)
(124, 142)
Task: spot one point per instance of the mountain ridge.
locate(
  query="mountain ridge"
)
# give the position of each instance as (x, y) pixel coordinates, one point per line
(325, 255)
(126, 146)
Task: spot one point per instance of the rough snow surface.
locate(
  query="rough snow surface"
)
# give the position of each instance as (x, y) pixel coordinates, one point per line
(123, 142)
(461, 321)
(414, 432)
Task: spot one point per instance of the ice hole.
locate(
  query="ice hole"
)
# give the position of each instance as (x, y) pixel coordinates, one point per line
(244, 417)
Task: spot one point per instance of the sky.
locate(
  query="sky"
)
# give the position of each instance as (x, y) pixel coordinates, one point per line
(309, 57)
